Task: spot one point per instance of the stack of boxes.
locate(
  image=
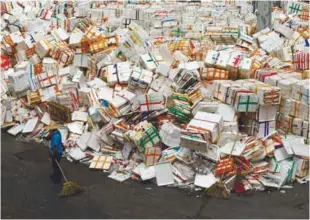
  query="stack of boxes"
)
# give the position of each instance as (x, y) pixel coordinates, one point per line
(256, 102)
(293, 115)
(263, 122)
(239, 97)
(294, 112)
(227, 64)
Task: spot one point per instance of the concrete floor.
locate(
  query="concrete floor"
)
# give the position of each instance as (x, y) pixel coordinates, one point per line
(27, 192)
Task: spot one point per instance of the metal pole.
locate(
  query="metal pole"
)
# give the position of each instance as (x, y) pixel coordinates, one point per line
(263, 11)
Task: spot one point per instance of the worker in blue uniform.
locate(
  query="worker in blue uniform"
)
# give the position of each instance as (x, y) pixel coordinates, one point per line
(56, 151)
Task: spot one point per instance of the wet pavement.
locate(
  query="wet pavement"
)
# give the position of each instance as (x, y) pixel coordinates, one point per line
(27, 192)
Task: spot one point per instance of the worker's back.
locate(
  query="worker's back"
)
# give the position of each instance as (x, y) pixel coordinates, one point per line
(56, 143)
(57, 149)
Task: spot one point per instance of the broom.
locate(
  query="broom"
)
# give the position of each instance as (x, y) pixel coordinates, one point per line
(69, 188)
(218, 189)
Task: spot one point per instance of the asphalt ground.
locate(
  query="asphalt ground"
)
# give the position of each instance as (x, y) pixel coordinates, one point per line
(27, 192)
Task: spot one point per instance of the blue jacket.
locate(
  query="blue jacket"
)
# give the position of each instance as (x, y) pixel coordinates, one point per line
(56, 144)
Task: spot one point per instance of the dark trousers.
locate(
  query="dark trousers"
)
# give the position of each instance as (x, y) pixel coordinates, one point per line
(56, 176)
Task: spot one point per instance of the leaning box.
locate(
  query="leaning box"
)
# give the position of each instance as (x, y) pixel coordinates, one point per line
(225, 166)
(143, 135)
(152, 155)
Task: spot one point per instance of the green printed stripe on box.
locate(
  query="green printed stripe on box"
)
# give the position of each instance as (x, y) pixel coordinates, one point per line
(247, 103)
(150, 134)
(194, 136)
(295, 8)
(179, 114)
(178, 97)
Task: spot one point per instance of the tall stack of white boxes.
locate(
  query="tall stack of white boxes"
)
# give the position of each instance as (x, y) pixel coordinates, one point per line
(293, 113)
(263, 122)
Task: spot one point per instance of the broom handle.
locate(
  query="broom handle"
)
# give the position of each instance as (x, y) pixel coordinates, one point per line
(62, 172)
(232, 149)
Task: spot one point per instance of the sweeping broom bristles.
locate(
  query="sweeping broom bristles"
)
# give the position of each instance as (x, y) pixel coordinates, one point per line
(70, 188)
(218, 189)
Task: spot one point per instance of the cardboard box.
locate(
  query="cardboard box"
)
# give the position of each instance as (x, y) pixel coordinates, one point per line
(207, 122)
(297, 89)
(305, 129)
(284, 122)
(214, 74)
(268, 95)
(151, 102)
(18, 81)
(148, 62)
(299, 110)
(245, 68)
(119, 73)
(220, 88)
(140, 78)
(211, 58)
(242, 100)
(297, 126)
(233, 64)
(143, 135)
(263, 129)
(222, 60)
